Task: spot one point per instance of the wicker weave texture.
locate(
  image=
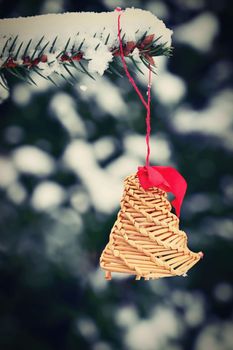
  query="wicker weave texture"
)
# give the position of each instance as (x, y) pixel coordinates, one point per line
(146, 240)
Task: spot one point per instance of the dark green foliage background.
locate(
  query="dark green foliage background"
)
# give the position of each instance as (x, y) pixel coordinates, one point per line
(42, 300)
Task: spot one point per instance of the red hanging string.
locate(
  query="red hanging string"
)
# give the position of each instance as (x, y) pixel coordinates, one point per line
(166, 178)
(145, 103)
(148, 126)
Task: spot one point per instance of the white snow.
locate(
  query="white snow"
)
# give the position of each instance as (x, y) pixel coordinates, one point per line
(77, 26)
(216, 335)
(199, 32)
(223, 292)
(99, 59)
(80, 200)
(32, 160)
(8, 173)
(83, 87)
(16, 193)
(126, 316)
(214, 120)
(135, 145)
(123, 166)
(104, 190)
(169, 88)
(64, 109)
(153, 333)
(103, 148)
(21, 94)
(47, 194)
(106, 95)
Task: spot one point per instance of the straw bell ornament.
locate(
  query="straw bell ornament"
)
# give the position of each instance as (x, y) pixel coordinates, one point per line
(146, 240)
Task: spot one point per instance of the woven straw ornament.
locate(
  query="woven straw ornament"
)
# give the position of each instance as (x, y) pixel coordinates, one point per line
(146, 240)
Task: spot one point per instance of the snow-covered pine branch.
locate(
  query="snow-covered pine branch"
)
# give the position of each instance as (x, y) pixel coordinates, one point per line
(84, 41)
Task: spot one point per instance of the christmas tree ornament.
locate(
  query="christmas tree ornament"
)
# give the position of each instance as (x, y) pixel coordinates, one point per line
(145, 240)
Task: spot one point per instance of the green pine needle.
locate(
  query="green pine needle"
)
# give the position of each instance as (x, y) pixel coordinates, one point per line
(53, 44)
(85, 70)
(13, 44)
(18, 51)
(27, 47)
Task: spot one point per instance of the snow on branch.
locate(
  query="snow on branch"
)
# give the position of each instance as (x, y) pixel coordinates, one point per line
(84, 42)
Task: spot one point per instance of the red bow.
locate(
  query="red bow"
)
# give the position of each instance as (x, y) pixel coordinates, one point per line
(167, 179)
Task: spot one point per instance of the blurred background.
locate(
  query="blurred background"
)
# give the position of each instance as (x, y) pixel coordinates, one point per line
(64, 153)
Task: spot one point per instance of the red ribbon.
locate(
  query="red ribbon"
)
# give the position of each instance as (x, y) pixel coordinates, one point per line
(167, 179)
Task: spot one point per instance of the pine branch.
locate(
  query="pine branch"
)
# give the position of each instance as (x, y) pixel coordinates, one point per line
(22, 65)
